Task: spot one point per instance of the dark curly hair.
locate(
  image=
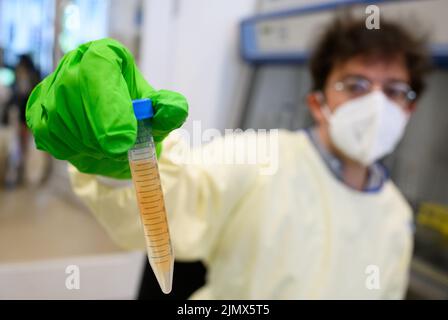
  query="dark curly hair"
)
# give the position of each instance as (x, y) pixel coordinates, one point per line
(347, 37)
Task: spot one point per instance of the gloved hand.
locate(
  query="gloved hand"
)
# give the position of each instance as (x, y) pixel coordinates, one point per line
(83, 113)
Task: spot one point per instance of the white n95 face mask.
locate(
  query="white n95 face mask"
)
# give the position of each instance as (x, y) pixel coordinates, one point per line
(367, 128)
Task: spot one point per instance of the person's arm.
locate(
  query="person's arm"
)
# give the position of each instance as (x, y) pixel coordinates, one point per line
(200, 191)
(399, 278)
(83, 113)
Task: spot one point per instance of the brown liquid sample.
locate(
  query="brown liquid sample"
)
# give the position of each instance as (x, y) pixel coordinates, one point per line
(153, 215)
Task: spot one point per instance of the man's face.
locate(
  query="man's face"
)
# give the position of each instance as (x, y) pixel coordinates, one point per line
(359, 76)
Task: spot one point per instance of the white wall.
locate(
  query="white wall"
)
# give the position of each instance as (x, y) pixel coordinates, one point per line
(191, 46)
(124, 24)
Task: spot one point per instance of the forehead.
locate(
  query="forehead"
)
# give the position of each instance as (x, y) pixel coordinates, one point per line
(374, 68)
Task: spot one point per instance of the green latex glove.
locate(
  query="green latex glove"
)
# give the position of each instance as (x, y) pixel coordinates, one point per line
(83, 113)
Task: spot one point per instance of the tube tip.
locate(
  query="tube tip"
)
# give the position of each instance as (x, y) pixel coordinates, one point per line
(165, 280)
(164, 275)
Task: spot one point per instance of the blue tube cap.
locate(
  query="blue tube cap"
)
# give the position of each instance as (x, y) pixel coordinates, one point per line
(143, 108)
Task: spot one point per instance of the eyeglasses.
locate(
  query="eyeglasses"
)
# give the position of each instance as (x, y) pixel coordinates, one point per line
(398, 91)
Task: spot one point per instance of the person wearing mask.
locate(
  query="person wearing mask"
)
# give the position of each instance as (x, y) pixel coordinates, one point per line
(318, 227)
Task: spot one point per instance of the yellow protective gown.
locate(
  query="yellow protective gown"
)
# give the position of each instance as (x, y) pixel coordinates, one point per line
(296, 234)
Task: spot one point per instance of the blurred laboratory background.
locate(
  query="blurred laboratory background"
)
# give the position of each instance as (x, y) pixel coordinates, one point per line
(241, 64)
